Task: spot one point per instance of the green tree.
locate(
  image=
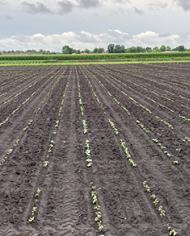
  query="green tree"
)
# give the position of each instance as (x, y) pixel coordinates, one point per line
(111, 48)
(87, 51)
(180, 48)
(67, 50)
(119, 49)
(136, 49)
(163, 48)
(168, 48)
(132, 50)
(98, 50)
(140, 49)
(148, 49)
(156, 49)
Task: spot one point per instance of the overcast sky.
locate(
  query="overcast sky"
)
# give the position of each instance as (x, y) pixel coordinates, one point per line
(50, 24)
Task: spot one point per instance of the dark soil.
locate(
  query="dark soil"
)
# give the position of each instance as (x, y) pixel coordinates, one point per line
(31, 99)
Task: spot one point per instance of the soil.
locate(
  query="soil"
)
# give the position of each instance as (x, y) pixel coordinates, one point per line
(42, 148)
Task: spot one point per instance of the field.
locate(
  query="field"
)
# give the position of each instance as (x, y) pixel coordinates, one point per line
(95, 150)
(86, 59)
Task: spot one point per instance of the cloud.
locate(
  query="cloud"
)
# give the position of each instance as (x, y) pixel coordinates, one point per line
(185, 4)
(138, 11)
(83, 39)
(35, 8)
(157, 5)
(2, 2)
(65, 6)
(89, 3)
(152, 39)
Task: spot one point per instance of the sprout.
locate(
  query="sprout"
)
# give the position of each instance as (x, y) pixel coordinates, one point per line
(175, 162)
(126, 150)
(97, 208)
(162, 211)
(9, 151)
(155, 140)
(113, 126)
(38, 192)
(31, 219)
(147, 187)
(173, 232)
(46, 163)
(85, 127)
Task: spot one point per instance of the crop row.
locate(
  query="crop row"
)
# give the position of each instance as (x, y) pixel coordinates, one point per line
(153, 137)
(128, 87)
(45, 163)
(120, 141)
(182, 137)
(88, 154)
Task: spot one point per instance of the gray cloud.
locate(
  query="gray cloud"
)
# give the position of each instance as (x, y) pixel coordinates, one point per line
(35, 8)
(65, 6)
(138, 11)
(3, 2)
(185, 4)
(89, 3)
(7, 17)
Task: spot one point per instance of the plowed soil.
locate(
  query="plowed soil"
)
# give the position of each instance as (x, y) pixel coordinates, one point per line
(136, 120)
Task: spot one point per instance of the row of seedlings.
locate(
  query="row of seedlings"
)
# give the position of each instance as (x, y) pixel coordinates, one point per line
(12, 97)
(20, 92)
(149, 81)
(157, 103)
(122, 143)
(158, 206)
(23, 132)
(166, 123)
(146, 130)
(185, 139)
(155, 93)
(39, 189)
(172, 231)
(89, 162)
(21, 105)
(16, 143)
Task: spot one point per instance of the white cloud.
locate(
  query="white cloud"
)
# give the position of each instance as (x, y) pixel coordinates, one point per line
(152, 38)
(82, 40)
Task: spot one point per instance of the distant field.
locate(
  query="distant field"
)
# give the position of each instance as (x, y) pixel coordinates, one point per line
(61, 59)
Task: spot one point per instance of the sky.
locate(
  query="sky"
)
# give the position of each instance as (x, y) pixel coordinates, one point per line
(50, 24)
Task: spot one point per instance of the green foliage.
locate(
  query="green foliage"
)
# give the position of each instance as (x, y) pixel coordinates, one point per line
(119, 49)
(98, 50)
(180, 48)
(136, 49)
(59, 58)
(67, 50)
(163, 48)
(111, 48)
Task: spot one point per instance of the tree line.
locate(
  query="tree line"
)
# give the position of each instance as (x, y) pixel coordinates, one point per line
(116, 48)
(111, 48)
